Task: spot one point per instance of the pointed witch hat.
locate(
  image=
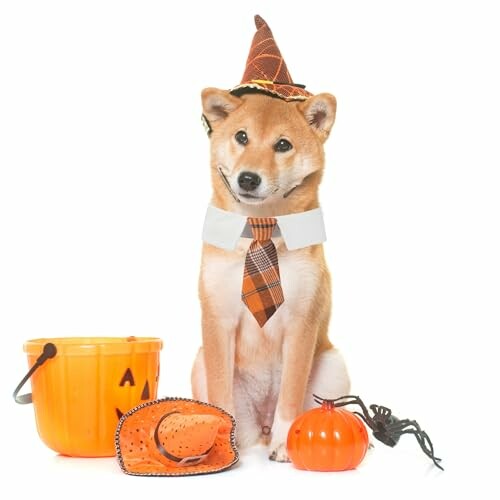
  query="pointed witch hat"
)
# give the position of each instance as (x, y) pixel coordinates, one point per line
(266, 70)
(175, 437)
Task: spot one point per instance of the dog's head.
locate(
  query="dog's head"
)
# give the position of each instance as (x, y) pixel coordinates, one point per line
(270, 151)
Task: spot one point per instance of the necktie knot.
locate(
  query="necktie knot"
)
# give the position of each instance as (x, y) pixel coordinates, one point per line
(262, 227)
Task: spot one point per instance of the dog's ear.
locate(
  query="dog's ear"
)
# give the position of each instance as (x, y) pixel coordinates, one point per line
(319, 111)
(217, 104)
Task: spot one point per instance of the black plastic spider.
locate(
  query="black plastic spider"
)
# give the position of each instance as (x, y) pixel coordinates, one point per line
(385, 426)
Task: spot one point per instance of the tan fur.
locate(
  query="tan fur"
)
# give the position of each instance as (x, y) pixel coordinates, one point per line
(264, 375)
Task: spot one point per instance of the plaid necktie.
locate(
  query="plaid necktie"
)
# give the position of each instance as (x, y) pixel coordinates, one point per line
(261, 291)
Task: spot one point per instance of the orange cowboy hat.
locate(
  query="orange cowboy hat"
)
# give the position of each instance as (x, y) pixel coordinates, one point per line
(175, 437)
(266, 70)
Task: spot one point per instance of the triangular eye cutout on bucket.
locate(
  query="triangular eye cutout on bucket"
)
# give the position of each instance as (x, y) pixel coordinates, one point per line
(145, 392)
(127, 377)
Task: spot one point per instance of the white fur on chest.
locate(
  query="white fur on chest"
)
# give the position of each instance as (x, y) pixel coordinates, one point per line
(222, 277)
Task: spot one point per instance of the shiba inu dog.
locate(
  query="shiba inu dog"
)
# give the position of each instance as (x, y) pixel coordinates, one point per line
(267, 160)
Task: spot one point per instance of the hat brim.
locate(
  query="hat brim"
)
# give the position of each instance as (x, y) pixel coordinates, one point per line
(282, 91)
(138, 454)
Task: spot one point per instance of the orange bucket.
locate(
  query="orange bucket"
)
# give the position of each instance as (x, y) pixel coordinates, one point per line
(82, 385)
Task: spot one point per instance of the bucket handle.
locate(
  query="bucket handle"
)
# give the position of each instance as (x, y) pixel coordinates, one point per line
(49, 351)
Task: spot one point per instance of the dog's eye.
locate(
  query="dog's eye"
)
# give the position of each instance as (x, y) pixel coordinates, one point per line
(282, 146)
(241, 138)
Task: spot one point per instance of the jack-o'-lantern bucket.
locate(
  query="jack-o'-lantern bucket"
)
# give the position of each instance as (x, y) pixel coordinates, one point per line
(81, 386)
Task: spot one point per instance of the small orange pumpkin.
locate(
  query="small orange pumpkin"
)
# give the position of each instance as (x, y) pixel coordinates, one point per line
(327, 439)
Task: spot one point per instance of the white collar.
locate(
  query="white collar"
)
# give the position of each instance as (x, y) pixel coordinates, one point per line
(223, 229)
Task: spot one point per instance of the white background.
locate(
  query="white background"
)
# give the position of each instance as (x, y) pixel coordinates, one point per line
(104, 182)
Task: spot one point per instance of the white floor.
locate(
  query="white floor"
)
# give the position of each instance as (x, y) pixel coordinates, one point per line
(402, 472)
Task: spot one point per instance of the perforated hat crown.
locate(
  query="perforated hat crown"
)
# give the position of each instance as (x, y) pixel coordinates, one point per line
(175, 437)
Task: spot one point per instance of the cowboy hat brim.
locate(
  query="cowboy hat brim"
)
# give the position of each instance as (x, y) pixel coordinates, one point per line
(204, 443)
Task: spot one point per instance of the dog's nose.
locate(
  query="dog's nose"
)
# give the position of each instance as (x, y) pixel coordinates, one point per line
(249, 181)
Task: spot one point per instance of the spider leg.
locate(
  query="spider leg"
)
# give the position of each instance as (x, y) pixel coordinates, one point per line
(397, 426)
(351, 400)
(365, 415)
(348, 400)
(363, 418)
(381, 411)
(423, 440)
(426, 446)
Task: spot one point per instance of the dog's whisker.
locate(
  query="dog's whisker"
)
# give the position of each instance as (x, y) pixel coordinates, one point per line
(226, 183)
(289, 192)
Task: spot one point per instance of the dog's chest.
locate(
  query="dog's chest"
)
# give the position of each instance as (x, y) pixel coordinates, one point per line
(222, 275)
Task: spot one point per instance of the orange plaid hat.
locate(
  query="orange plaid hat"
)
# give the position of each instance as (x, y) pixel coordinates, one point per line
(175, 437)
(266, 71)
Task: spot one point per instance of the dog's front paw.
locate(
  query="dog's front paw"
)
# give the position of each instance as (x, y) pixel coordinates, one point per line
(277, 448)
(279, 453)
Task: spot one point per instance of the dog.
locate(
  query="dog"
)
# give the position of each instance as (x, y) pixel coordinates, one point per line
(270, 152)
